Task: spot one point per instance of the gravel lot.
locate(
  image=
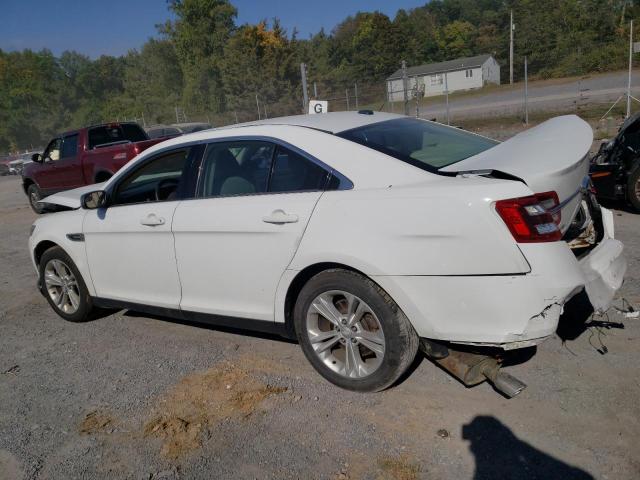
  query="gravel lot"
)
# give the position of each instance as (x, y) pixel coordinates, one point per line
(127, 396)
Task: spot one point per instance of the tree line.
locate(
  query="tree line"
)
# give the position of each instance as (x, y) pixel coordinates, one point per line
(204, 62)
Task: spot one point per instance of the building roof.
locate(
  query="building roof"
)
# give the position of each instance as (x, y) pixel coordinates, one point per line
(441, 67)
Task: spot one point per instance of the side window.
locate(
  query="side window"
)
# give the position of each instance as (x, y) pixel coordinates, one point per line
(235, 168)
(70, 146)
(156, 181)
(53, 150)
(293, 172)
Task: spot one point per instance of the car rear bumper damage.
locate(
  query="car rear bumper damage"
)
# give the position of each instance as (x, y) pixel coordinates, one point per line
(511, 311)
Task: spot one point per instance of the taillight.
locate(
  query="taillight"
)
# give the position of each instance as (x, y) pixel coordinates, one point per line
(136, 150)
(529, 219)
(549, 200)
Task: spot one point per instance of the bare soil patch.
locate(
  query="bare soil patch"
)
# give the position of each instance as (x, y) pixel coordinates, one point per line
(200, 401)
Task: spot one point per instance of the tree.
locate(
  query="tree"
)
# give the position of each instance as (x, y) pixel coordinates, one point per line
(199, 33)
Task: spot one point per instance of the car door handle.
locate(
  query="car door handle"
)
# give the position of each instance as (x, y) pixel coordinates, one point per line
(279, 217)
(152, 220)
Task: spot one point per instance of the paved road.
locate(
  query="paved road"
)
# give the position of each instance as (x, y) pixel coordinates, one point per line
(128, 396)
(543, 95)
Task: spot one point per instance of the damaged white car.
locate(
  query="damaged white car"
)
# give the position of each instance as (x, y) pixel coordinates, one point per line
(364, 235)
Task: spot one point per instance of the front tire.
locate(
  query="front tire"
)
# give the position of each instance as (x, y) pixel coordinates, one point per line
(63, 286)
(633, 189)
(34, 194)
(352, 332)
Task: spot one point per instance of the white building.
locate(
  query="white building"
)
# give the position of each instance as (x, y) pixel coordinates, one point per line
(460, 74)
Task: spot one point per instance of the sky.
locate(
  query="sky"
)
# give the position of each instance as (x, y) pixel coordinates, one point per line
(112, 27)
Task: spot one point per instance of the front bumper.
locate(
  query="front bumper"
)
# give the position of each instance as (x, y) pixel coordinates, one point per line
(511, 311)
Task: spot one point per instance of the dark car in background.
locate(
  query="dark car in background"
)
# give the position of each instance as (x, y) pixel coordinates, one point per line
(176, 129)
(615, 169)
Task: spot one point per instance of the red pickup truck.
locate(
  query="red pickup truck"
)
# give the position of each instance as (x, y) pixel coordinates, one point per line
(82, 157)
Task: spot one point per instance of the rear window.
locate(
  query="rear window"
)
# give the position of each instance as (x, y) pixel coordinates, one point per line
(117, 133)
(426, 145)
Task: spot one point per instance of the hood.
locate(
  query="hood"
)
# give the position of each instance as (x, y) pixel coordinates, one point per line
(71, 198)
(552, 156)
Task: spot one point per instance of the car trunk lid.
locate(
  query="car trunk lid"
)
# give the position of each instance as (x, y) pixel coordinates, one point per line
(552, 156)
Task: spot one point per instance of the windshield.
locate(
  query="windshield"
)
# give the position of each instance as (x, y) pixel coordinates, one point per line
(426, 145)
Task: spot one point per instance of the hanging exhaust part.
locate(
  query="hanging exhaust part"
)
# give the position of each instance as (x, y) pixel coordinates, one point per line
(472, 368)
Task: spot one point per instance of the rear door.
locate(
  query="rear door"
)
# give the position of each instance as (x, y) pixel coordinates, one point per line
(110, 147)
(234, 241)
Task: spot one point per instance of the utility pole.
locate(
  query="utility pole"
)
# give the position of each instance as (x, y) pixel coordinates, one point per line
(258, 106)
(315, 90)
(526, 93)
(446, 91)
(405, 87)
(305, 93)
(355, 88)
(511, 29)
(630, 65)
(144, 124)
(347, 94)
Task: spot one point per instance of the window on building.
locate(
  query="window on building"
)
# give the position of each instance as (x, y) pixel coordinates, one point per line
(469, 73)
(436, 79)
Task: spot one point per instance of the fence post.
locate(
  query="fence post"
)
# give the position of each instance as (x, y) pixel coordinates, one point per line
(526, 93)
(405, 87)
(258, 107)
(305, 94)
(446, 92)
(355, 89)
(347, 94)
(630, 66)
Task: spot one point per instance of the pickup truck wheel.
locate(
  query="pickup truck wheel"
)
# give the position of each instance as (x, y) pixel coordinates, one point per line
(63, 286)
(33, 192)
(352, 332)
(633, 189)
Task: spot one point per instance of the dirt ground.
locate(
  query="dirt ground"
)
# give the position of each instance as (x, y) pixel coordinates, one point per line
(127, 396)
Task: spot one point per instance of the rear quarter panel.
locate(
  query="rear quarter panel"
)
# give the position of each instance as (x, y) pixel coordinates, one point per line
(446, 226)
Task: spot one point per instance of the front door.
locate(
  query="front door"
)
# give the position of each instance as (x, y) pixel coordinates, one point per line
(66, 171)
(234, 241)
(130, 248)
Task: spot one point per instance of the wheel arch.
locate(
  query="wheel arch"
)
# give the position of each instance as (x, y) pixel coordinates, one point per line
(42, 247)
(27, 182)
(299, 281)
(102, 176)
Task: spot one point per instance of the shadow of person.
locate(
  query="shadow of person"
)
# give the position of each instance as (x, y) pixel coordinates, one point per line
(500, 454)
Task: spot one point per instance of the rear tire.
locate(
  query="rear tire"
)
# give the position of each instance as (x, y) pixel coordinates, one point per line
(366, 326)
(633, 189)
(34, 194)
(63, 286)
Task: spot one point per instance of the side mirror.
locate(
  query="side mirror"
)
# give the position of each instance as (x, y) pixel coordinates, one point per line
(93, 200)
(36, 157)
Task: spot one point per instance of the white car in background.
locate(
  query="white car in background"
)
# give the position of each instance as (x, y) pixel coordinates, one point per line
(364, 235)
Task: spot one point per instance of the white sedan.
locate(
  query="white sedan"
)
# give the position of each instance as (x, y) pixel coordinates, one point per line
(364, 235)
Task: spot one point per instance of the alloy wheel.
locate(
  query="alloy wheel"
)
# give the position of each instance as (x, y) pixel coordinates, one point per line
(62, 286)
(345, 334)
